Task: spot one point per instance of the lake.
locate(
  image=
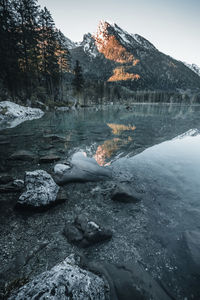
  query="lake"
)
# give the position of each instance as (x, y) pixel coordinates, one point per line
(154, 148)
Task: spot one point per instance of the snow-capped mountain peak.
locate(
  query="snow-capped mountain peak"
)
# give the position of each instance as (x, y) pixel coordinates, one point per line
(106, 29)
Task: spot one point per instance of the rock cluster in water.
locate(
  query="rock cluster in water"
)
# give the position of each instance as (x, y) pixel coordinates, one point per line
(84, 232)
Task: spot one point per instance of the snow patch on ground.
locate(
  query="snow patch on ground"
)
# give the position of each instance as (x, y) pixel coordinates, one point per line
(12, 114)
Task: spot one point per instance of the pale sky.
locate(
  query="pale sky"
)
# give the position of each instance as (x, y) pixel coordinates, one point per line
(173, 26)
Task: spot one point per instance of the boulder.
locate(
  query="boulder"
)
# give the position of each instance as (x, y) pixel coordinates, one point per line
(64, 281)
(23, 155)
(124, 193)
(83, 169)
(41, 190)
(84, 232)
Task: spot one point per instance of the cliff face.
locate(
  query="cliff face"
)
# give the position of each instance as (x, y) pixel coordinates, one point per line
(114, 55)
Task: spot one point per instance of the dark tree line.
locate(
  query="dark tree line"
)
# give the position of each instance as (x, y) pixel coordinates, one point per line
(33, 56)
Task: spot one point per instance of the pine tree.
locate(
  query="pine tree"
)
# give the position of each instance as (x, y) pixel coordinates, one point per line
(78, 81)
(9, 74)
(64, 61)
(33, 54)
(48, 46)
(27, 27)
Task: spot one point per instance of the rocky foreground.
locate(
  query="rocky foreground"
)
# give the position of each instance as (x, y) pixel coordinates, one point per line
(77, 277)
(85, 246)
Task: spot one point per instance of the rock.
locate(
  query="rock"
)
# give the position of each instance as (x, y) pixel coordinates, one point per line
(83, 169)
(49, 158)
(59, 169)
(124, 193)
(84, 232)
(192, 240)
(23, 155)
(5, 179)
(64, 281)
(128, 281)
(13, 114)
(41, 190)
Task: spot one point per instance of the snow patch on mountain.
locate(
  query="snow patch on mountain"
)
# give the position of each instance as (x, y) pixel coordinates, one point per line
(89, 46)
(143, 42)
(193, 67)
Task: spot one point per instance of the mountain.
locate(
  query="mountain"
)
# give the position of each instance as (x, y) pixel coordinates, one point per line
(114, 55)
(193, 67)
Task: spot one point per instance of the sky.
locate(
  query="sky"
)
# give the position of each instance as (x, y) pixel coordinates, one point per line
(173, 26)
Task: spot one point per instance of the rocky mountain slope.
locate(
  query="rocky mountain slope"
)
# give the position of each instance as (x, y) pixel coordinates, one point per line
(114, 55)
(193, 67)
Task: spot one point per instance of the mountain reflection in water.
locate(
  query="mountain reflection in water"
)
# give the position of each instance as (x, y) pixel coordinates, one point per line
(119, 128)
(110, 147)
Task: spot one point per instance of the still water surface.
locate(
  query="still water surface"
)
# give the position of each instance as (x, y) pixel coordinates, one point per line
(144, 146)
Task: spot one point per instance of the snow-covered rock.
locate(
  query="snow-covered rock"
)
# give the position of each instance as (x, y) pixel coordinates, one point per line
(41, 190)
(13, 114)
(64, 281)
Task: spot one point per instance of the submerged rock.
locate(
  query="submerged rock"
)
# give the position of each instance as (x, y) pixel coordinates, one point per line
(4, 179)
(128, 281)
(54, 138)
(23, 155)
(84, 232)
(83, 169)
(9, 185)
(59, 169)
(64, 281)
(49, 158)
(124, 193)
(192, 240)
(41, 190)
(14, 114)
